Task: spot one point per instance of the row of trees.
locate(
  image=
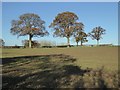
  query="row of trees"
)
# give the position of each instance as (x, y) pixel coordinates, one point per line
(64, 25)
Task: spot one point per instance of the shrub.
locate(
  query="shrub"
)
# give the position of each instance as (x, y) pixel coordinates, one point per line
(34, 43)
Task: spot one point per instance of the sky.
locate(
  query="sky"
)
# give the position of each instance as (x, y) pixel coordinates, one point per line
(91, 14)
(60, 0)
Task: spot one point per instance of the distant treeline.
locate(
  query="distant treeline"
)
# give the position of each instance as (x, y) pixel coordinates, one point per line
(57, 46)
(60, 46)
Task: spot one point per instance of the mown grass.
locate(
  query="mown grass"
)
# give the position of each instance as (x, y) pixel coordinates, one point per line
(60, 68)
(91, 57)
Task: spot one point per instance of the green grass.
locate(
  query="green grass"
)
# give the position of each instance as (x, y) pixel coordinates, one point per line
(79, 67)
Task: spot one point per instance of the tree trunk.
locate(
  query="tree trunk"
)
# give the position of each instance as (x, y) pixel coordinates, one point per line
(97, 42)
(30, 41)
(68, 42)
(81, 43)
(77, 44)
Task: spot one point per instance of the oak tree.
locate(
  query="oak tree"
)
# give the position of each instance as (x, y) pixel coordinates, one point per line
(29, 24)
(63, 25)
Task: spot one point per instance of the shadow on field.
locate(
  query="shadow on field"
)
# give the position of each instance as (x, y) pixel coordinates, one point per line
(43, 71)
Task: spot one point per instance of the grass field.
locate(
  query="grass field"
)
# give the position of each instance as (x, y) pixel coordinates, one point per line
(64, 67)
(86, 56)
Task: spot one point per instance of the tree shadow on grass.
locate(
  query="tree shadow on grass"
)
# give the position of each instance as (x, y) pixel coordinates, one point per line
(43, 71)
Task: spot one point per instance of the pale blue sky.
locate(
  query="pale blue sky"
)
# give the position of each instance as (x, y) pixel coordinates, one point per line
(90, 13)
